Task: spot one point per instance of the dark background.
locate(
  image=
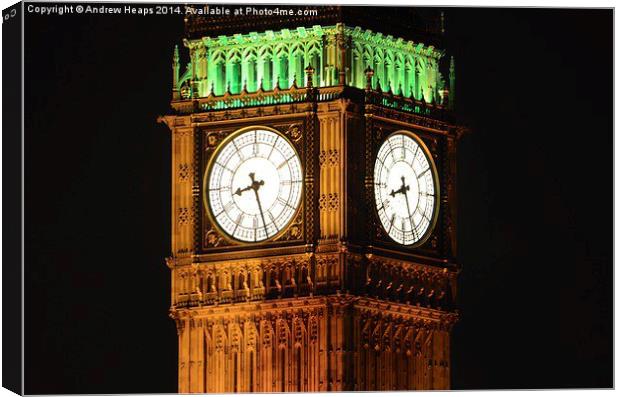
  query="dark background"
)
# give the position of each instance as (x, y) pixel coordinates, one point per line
(535, 201)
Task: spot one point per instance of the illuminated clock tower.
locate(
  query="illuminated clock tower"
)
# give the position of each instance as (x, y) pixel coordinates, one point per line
(313, 202)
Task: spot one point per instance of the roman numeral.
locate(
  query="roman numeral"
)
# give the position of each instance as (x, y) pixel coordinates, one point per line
(225, 167)
(238, 223)
(422, 173)
(391, 223)
(272, 219)
(229, 206)
(414, 154)
(272, 148)
(284, 202)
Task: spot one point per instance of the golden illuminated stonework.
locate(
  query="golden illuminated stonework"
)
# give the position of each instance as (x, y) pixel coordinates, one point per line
(288, 273)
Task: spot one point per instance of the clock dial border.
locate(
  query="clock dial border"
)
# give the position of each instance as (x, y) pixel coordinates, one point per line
(436, 186)
(215, 226)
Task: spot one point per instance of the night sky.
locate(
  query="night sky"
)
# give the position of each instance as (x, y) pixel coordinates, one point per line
(534, 184)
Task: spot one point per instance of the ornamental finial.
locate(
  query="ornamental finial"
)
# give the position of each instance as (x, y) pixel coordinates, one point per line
(309, 74)
(369, 73)
(175, 55)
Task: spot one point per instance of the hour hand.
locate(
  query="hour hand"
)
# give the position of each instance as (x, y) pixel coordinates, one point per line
(239, 190)
(403, 188)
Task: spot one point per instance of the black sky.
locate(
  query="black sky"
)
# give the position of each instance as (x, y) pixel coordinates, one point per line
(534, 185)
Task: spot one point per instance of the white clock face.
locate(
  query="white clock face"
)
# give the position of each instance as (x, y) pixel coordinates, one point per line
(253, 187)
(405, 193)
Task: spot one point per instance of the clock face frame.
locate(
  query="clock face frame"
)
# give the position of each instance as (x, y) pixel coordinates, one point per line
(406, 189)
(253, 185)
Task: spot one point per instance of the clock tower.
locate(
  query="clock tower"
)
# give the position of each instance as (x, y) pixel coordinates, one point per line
(313, 201)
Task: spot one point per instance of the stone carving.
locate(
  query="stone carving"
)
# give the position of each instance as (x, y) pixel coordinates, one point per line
(184, 216)
(295, 230)
(185, 172)
(329, 202)
(214, 138)
(213, 239)
(329, 158)
(294, 132)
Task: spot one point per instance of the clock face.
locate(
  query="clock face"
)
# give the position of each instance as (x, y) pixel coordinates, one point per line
(405, 193)
(253, 186)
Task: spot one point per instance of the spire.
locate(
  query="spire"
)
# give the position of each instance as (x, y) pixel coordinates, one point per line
(310, 74)
(452, 78)
(294, 85)
(176, 93)
(369, 73)
(260, 85)
(175, 56)
(277, 86)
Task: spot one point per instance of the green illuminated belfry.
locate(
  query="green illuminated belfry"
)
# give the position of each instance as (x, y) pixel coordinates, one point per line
(339, 55)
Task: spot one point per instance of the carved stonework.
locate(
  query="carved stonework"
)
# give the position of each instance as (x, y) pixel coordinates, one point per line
(329, 158)
(213, 138)
(213, 239)
(184, 216)
(294, 132)
(329, 202)
(295, 230)
(185, 172)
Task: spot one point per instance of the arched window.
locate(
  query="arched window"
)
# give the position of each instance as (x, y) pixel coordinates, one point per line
(250, 76)
(282, 71)
(219, 83)
(315, 61)
(267, 74)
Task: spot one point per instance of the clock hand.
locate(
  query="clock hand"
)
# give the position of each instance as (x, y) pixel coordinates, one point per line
(239, 190)
(404, 189)
(255, 186)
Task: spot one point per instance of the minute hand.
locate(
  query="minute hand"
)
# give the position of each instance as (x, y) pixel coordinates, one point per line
(403, 189)
(255, 186)
(260, 208)
(408, 209)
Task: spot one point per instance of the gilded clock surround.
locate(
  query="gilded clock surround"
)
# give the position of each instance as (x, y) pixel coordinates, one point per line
(292, 130)
(292, 134)
(433, 169)
(332, 303)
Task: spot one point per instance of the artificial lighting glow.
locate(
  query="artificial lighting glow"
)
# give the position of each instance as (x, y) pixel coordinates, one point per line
(254, 185)
(404, 189)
